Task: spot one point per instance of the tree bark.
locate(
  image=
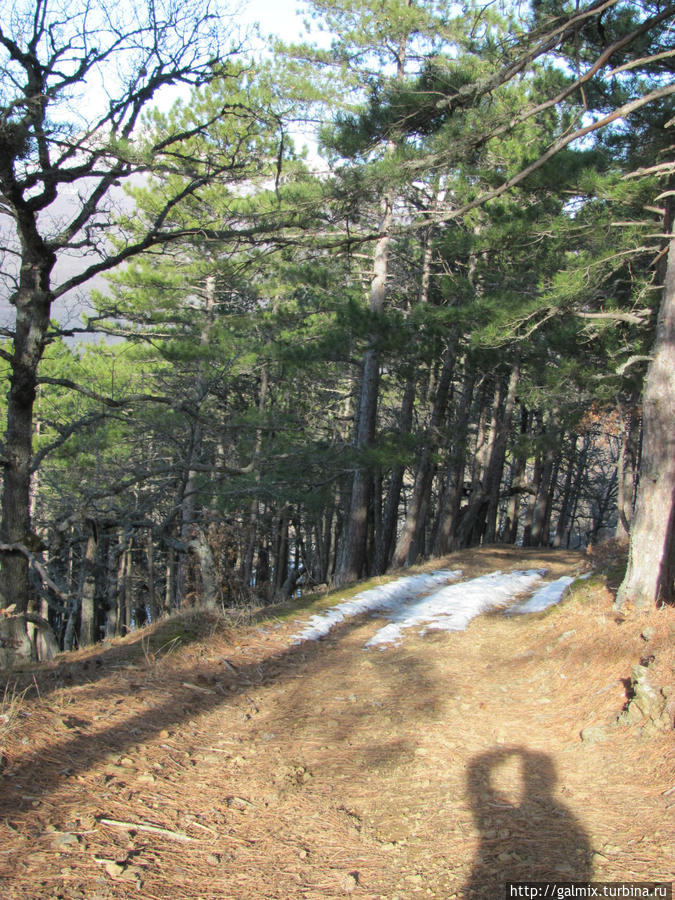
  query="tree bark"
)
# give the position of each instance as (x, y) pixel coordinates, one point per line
(88, 599)
(627, 470)
(280, 552)
(448, 513)
(32, 301)
(352, 561)
(471, 527)
(562, 530)
(539, 535)
(496, 467)
(201, 548)
(408, 544)
(649, 576)
(519, 465)
(390, 515)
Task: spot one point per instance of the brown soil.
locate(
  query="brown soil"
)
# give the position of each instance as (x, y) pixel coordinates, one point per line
(440, 768)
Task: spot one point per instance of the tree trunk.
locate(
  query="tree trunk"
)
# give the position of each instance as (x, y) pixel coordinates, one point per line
(88, 601)
(280, 553)
(123, 600)
(201, 549)
(408, 544)
(576, 489)
(496, 467)
(153, 602)
(390, 514)
(519, 465)
(539, 535)
(471, 527)
(649, 577)
(170, 582)
(32, 301)
(449, 505)
(534, 492)
(353, 553)
(604, 505)
(561, 530)
(627, 470)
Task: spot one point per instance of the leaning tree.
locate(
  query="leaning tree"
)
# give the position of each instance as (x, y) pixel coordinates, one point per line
(75, 81)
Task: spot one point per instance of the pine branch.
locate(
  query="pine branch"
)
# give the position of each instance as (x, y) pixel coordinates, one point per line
(101, 398)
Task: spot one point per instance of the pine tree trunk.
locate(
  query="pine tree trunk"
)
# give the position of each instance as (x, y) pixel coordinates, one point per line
(576, 489)
(649, 577)
(32, 301)
(603, 507)
(561, 530)
(408, 544)
(448, 513)
(252, 526)
(352, 562)
(472, 525)
(390, 514)
(496, 467)
(153, 602)
(280, 553)
(627, 470)
(170, 582)
(111, 587)
(534, 486)
(87, 603)
(123, 600)
(200, 547)
(539, 536)
(519, 466)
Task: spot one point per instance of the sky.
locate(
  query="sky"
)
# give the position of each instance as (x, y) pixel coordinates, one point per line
(279, 17)
(282, 18)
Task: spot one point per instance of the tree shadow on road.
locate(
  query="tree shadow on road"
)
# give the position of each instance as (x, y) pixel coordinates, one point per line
(141, 705)
(526, 834)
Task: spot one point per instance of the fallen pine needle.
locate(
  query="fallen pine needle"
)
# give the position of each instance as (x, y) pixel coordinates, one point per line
(196, 687)
(154, 829)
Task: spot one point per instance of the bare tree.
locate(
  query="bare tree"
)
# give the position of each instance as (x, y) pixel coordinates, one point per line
(75, 78)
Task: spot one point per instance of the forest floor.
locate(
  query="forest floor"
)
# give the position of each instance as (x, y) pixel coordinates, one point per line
(209, 758)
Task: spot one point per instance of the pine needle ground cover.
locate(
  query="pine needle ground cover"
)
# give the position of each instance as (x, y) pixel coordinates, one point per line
(211, 757)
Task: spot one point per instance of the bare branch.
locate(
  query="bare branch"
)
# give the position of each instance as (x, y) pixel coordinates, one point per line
(101, 398)
(631, 361)
(38, 565)
(643, 61)
(563, 142)
(632, 318)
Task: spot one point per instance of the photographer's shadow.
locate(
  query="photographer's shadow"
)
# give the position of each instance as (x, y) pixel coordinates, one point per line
(525, 833)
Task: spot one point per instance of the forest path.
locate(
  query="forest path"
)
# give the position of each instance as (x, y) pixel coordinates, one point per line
(239, 766)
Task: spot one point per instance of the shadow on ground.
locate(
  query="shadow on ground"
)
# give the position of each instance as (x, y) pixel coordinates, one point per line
(525, 833)
(147, 704)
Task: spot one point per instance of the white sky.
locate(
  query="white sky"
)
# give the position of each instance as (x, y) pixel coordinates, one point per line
(278, 17)
(282, 18)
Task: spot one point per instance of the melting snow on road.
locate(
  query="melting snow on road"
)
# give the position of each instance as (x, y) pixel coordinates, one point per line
(384, 597)
(546, 596)
(411, 602)
(453, 607)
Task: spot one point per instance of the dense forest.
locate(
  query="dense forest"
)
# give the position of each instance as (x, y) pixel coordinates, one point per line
(449, 322)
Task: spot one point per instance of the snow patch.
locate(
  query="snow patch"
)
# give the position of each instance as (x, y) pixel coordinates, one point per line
(380, 598)
(546, 596)
(453, 607)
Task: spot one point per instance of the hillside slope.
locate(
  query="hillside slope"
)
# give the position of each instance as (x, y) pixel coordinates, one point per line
(215, 759)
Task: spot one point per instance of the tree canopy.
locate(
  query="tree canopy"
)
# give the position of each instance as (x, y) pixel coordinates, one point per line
(457, 329)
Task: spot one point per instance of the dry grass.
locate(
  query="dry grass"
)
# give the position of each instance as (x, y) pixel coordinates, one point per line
(437, 769)
(10, 710)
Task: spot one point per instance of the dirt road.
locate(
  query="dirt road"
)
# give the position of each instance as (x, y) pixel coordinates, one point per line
(211, 761)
